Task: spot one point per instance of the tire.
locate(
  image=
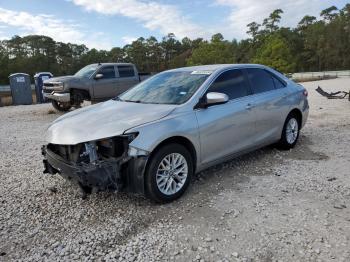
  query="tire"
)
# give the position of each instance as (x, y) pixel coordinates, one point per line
(60, 106)
(290, 133)
(77, 99)
(157, 179)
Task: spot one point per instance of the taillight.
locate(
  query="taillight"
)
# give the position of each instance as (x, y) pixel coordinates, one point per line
(305, 93)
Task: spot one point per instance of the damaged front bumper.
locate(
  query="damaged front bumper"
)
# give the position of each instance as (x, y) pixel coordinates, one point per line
(122, 173)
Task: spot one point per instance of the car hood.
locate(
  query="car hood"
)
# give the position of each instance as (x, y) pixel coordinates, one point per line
(62, 79)
(103, 120)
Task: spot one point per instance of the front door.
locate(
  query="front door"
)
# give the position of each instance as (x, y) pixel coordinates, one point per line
(127, 77)
(227, 128)
(107, 86)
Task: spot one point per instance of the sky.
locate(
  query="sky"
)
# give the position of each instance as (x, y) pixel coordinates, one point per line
(104, 24)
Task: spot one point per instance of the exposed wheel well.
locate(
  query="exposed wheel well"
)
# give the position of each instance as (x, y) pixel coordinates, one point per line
(182, 141)
(85, 94)
(298, 114)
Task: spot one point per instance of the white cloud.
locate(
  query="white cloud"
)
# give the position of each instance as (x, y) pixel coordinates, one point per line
(41, 24)
(157, 16)
(128, 39)
(48, 25)
(153, 15)
(244, 12)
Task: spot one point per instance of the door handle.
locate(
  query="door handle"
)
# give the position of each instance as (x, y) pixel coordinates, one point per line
(249, 106)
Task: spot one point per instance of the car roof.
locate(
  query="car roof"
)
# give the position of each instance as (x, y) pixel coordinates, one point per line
(216, 67)
(114, 64)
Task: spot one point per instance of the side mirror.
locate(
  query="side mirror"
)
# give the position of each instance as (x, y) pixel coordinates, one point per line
(98, 76)
(212, 98)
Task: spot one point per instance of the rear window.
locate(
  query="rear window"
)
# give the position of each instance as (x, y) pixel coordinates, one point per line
(126, 71)
(278, 83)
(260, 80)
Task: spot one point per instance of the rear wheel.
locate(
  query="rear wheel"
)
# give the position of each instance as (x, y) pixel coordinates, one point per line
(169, 173)
(290, 133)
(61, 106)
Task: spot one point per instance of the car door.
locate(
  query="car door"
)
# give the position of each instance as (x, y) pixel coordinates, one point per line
(106, 86)
(127, 77)
(269, 105)
(227, 128)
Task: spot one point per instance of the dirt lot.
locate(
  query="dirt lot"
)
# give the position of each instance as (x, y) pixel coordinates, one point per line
(266, 206)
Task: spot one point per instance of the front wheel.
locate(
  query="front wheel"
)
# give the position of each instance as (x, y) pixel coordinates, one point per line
(61, 106)
(290, 133)
(77, 99)
(169, 173)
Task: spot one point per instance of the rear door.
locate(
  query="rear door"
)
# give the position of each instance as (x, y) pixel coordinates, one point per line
(269, 104)
(107, 86)
(227, 128)
(128, 77)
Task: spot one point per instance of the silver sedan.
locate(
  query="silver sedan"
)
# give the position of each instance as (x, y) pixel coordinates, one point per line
(152, 139)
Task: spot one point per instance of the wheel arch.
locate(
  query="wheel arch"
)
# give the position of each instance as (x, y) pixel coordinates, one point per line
(179, 140)
(182, 141)
(298, 114)
(85, 93)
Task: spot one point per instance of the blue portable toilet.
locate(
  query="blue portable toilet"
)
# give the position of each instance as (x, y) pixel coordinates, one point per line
(21, 89)
(39, 81)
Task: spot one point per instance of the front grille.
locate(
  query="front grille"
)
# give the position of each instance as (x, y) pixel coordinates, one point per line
(49, 84)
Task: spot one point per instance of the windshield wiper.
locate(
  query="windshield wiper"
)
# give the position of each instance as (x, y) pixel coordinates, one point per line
(132, 101)
(125, 100)
(135, 101)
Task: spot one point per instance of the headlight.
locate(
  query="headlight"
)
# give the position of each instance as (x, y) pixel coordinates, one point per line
(58, 86)
(54, 86)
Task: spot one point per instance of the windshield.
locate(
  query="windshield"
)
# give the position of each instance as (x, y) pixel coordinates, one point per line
(166, 88)
(86, 71)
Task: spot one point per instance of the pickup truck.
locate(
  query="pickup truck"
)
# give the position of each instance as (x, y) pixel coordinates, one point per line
(95, 83)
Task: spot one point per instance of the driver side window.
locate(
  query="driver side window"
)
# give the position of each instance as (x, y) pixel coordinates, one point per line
(108, 72)
(232, 83)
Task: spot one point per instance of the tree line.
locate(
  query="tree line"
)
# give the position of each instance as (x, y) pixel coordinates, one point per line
(313, 45)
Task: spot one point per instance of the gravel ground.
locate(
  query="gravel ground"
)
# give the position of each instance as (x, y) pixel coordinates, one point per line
(265, 206)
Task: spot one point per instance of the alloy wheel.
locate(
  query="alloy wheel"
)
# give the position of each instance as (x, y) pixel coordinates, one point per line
(172, 174)
(292, 130)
